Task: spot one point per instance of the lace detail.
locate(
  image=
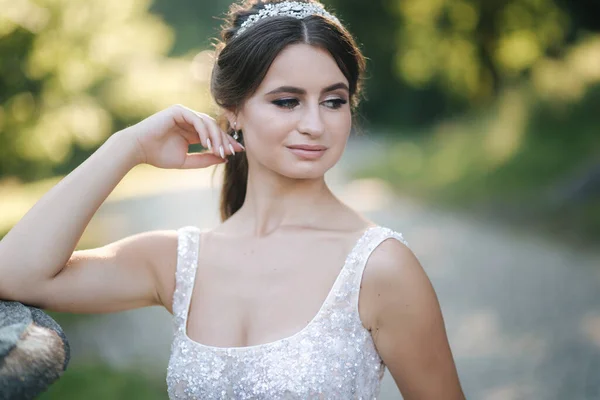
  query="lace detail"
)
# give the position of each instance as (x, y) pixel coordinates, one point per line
(333, 357)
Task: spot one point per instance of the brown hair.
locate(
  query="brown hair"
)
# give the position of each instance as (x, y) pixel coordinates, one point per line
(242, 63)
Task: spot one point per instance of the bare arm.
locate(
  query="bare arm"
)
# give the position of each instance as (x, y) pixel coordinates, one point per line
(409, 329)
(37, 248)
(136, 271)
(37, 262)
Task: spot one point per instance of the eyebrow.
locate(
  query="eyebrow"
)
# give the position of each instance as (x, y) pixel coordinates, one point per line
(292, 89)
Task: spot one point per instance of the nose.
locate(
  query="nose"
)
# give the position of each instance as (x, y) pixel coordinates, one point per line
(311, 122)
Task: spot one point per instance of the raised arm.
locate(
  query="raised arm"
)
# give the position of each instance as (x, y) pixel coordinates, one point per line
(38, 265)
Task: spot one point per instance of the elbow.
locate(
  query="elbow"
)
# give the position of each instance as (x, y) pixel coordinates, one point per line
(7, 290)
(13, 289)
(6, 294)
(8, 281)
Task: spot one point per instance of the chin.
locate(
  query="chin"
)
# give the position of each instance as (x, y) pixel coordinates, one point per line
(313, 170)
(305, 176)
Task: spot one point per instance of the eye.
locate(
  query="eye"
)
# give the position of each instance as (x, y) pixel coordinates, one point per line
(335, 103)
(286, 103)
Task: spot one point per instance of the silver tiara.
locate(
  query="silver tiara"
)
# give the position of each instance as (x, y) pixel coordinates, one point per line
(295, 9)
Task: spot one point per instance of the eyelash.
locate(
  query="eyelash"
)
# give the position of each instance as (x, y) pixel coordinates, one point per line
(285, 103)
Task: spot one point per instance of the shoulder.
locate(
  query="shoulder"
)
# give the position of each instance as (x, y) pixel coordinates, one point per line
(150, 247)
(395, 280)
(156, 243)
(391, 257)
(160, 249)
(408, 327)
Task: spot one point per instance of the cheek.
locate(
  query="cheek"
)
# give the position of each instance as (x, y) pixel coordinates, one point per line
(265, 131)
(340, 127)
(269, 128)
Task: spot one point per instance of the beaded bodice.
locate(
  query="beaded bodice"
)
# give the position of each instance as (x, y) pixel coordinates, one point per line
(333, 357)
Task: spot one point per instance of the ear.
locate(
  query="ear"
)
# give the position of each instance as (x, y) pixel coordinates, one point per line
(231, 117)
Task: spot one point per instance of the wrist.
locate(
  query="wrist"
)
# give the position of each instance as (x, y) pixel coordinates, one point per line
(126, 141)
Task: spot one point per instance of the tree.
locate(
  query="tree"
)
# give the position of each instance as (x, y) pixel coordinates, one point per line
(72, 72)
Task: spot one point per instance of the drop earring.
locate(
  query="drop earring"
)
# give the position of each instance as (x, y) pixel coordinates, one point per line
(235, 132)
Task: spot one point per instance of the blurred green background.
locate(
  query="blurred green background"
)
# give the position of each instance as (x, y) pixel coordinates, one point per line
(490, 108)
(490, 105)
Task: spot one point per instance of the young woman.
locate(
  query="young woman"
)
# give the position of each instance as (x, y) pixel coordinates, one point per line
(266, 305)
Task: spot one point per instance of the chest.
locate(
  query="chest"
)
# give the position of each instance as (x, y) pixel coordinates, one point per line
(257, 292)
(334, 365)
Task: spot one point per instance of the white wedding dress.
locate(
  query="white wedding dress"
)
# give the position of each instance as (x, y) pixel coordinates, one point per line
(333, 357)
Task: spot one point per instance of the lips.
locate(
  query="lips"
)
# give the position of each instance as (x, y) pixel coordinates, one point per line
(308, 147)
(307, 151)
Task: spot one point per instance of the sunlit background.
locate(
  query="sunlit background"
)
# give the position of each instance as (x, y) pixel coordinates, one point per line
(478, 139)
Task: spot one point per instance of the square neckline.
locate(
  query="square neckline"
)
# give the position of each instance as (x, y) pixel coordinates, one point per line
(278, 341)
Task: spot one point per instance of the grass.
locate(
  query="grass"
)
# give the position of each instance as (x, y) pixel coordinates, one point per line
(100, 382)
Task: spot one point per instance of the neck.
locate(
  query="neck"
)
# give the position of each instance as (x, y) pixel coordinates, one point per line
(274, 201)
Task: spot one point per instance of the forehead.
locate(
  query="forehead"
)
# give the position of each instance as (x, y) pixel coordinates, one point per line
(304, 66)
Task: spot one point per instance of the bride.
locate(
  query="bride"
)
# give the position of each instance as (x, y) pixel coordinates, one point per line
(294, 295)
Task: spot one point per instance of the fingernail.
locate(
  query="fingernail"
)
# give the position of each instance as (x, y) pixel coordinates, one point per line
(231, 148)
(221, 152)
(241, 145)
(209, 145)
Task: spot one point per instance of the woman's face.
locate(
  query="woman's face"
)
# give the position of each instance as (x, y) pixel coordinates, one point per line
(302, 101)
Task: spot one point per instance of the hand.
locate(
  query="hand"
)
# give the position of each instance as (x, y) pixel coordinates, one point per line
(162, 139)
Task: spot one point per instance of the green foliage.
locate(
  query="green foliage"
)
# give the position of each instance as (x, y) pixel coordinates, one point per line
(100, 382)
(195, 23)
(67, 320)
(434, 59)
(471, 48)
(517, 161)
(71, 73)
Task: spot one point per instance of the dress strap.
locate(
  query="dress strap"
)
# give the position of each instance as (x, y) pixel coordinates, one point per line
(188, 240)
(363, 250)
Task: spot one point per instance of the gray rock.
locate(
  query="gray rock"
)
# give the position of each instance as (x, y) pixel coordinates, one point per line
(34, 351)
(42, 319)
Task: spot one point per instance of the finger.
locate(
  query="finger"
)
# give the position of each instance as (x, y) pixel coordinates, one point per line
(193, 119)
(201, 160)
(232, 145)
(204, 136)
(229, 149)
(236, 145)
(214, 139)
(219, 146)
